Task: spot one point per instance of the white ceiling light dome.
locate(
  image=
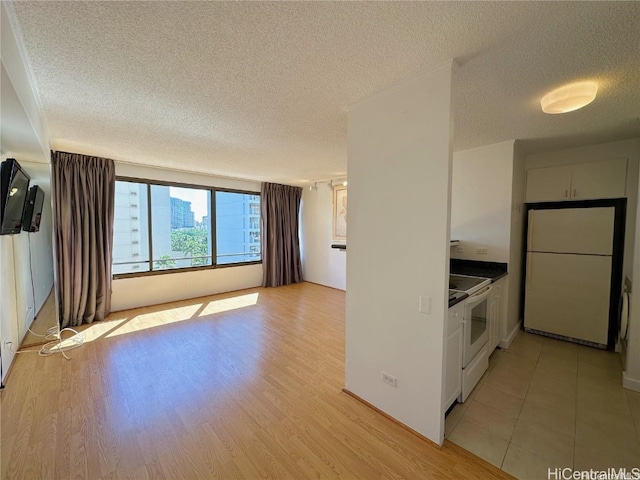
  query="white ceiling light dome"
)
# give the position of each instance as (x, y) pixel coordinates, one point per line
(569, 97)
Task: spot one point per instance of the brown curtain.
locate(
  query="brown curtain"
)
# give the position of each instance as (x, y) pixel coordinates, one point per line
(84, 197)
(281, 263)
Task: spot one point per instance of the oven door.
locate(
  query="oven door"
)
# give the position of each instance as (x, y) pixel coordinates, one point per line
(476, 325)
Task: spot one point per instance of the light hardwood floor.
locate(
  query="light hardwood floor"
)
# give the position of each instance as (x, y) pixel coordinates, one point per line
(241, 385)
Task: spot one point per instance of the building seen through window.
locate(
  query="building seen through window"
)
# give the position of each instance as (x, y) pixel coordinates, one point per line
(163, 227)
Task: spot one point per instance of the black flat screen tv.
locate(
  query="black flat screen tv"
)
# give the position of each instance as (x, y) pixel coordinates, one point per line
(33, 209)
(14, 184)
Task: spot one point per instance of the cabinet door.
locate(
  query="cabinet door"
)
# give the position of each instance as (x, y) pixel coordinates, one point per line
(503, 308)
(493, 323)
(605, 179)
(453, 384)
(548, 184)
(453, 355)
(496, 309)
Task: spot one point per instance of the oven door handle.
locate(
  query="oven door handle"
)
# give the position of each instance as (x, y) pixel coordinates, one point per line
(479, 296)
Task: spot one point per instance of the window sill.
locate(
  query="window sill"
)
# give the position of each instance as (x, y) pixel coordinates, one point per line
(120, 276)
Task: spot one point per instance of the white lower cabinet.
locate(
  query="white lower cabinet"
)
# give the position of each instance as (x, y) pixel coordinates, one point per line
(497, 313)
(453, 355)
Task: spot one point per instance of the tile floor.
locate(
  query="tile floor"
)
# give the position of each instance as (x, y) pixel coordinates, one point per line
(547, 403)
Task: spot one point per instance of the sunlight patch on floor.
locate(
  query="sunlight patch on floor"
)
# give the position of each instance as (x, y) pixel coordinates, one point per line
(144, 321)
(99, 329)
(135, 323)
(156, 319)
(226, 304)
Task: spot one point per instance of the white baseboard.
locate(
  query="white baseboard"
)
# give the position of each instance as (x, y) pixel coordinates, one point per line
(630, 383)
(506, 342)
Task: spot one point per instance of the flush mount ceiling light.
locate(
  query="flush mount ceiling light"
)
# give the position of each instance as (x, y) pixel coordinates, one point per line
(569, 98)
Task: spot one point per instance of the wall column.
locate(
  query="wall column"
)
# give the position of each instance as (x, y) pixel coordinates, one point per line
(399, 170)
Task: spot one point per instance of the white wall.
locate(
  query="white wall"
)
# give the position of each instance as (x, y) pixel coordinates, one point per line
(481, 202)
(399, 169)
(631, 376)
(487, 197)
(41, 242)
(25, 258)
(24, 136)
(33, 256)
(513, 320)
(13, 60)
(320, 263)
(8, 303)
(157, 289)
(154, 289)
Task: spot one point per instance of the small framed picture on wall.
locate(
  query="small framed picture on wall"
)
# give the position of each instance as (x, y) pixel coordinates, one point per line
(340, 214)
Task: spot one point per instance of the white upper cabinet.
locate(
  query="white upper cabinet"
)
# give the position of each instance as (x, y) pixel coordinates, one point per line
(548, 184)
(582, 181)
(605, 179)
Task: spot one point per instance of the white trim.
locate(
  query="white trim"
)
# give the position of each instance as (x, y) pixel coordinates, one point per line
(15, 33)
(630, 383)
(169, 169)
(506, 342)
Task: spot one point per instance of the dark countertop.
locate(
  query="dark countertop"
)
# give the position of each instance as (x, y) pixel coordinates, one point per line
(493, 270)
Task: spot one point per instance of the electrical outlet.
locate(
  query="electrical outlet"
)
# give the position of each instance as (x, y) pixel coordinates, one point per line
(481, 251)
(459, 249)
(389, 379)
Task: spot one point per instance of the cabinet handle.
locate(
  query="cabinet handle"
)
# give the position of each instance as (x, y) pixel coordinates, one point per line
(574, 193)
(566, 193)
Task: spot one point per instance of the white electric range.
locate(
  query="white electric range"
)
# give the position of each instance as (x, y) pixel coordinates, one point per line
(475, 325)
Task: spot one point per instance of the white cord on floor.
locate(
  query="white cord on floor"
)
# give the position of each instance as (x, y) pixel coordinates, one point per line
(50, 335)
(59, 345)
(62, 346)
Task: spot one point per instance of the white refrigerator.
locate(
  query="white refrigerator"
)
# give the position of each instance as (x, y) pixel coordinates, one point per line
(568, 273)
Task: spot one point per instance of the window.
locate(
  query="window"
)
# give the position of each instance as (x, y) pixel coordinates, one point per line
(179, 236)
(237, 227)
(159, 227)
(130, 229)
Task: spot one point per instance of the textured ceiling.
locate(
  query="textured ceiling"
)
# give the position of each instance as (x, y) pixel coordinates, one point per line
(258, 90)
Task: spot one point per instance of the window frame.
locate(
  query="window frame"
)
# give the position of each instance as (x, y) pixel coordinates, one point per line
(148, 183)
